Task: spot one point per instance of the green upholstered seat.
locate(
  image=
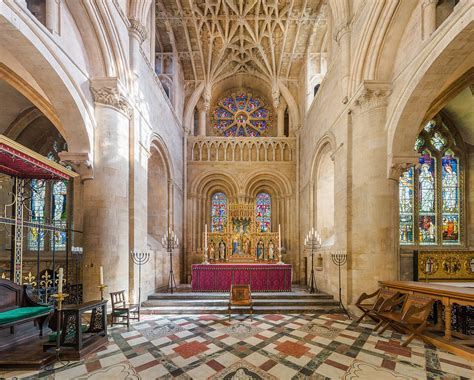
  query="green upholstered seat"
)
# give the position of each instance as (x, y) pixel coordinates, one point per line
(20, 313)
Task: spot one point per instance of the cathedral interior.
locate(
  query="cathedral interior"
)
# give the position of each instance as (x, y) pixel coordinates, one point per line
(156, 155)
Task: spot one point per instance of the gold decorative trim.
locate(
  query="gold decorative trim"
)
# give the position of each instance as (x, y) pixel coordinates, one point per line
(446, 266)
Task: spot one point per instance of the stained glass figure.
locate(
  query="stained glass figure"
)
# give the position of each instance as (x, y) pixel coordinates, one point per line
(450, 197)
(438, 141)
(406, 192)
(59, 215)
(427, 198)
(37, 207)
(241, 114)
(264, 212)
(420, 141)
(427, 226)
(218, 212)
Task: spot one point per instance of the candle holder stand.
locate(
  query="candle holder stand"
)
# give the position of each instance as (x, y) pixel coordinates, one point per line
(170, 241)
(102, 287)
(140, 259)
(59, 298)
(313, 242)
(339, 258)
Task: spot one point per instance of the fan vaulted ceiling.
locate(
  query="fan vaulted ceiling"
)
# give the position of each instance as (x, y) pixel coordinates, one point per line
(215, 39)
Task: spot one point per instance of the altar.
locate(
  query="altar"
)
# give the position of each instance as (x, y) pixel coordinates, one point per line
(261, 277)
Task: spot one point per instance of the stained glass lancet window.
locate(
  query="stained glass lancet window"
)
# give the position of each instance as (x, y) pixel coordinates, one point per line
(59, 215)
(431, 196)
(218, 212)
(264, 212)
(406, 206)
(37, 207)
(450, 198)
(427, 199)
(241, 114)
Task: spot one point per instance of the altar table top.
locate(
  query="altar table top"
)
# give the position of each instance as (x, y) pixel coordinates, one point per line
(261, 277)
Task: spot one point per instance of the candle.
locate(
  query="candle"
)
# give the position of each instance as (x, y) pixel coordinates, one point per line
(101, 275)
(205, 236)
(279, 236)
(60, 281)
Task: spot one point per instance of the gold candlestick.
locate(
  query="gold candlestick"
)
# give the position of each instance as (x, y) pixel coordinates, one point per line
(59, 297)
(101, 288)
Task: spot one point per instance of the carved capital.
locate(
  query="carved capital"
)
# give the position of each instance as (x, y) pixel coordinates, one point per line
(398, 164)
(138, 29)
(80, 162)
(108, 92)
(340, 30)
(371, 95)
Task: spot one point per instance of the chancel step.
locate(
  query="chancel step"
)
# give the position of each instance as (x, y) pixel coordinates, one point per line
(216, 303)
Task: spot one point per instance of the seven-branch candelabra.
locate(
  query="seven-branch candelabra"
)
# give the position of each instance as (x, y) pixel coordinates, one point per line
(140, 259)
(313, 242)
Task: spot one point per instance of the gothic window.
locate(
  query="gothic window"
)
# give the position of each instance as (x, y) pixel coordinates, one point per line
(241, 114)
(37, 207)
(59, 215)
(430, 195)
(218, 212)
(264, 212)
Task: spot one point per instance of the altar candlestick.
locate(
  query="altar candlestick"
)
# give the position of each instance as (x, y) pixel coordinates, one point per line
(101, 275)
(60, 281)
(279, 236)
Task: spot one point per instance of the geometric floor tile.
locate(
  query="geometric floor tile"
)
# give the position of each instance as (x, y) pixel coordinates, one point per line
(302, 346)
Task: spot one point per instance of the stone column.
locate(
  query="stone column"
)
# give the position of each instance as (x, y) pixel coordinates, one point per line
(373, 226)
(281, 118)
(343, 37)
(202, 112)
(52, 15)
(106, 197)
(428, 17)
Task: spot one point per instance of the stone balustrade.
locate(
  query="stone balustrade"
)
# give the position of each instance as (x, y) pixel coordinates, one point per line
(231, 149)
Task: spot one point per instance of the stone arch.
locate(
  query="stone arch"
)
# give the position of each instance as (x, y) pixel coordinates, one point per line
(424, 83)
(213, 181)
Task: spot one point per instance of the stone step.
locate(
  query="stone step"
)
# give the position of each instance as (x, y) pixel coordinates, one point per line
(223, 310)
(255, 296)
(223, 302)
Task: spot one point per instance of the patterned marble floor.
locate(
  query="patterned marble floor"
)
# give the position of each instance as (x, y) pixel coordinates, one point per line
(271, 347)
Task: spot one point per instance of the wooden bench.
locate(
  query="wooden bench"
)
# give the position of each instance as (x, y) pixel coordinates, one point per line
(17, 306)
(372, 303)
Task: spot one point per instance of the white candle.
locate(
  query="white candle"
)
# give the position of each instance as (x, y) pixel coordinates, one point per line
(279, 236)
(205, 236)
(60, 280)
(101, 275)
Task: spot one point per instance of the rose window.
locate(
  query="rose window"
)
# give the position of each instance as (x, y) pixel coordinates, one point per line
(241, 114)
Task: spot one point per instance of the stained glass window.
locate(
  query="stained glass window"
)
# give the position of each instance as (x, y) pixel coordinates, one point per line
(37, 207)
(427, 197)
(450, 198)
(218, 212)
(435, 187)
(264, 212)
(406, 206)
(241, 114)
(59, 215)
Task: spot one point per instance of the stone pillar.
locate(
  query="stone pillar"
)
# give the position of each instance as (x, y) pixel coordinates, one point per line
(281, 118)
(373, 226)
(52, 15)
(428, 17)
(202, 122)
(343, 37)
(106, 197)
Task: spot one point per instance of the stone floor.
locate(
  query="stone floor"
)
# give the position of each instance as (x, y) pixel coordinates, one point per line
(271, 347)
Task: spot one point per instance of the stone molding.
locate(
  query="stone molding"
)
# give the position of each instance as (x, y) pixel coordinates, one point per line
(138, 30)
(80, 162)
(371, 95)
(399, 163)
(108, 92)
(427, 3)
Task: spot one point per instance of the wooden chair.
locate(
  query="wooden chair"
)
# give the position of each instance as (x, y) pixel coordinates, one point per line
(123, 311)
(240, 296)
(369, 304)
(413, 317)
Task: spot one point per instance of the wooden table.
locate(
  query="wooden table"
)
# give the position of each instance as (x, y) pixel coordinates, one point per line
(447, 295)
(75, 342)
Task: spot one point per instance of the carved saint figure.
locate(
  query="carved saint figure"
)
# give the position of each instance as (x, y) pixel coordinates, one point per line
(212, 251)
(271, 249)
(222, 250)
(260, 248)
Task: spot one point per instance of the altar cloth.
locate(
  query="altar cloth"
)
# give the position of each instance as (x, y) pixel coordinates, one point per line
(261, 277)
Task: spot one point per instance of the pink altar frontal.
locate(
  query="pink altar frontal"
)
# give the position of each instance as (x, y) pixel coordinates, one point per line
(261, 277)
